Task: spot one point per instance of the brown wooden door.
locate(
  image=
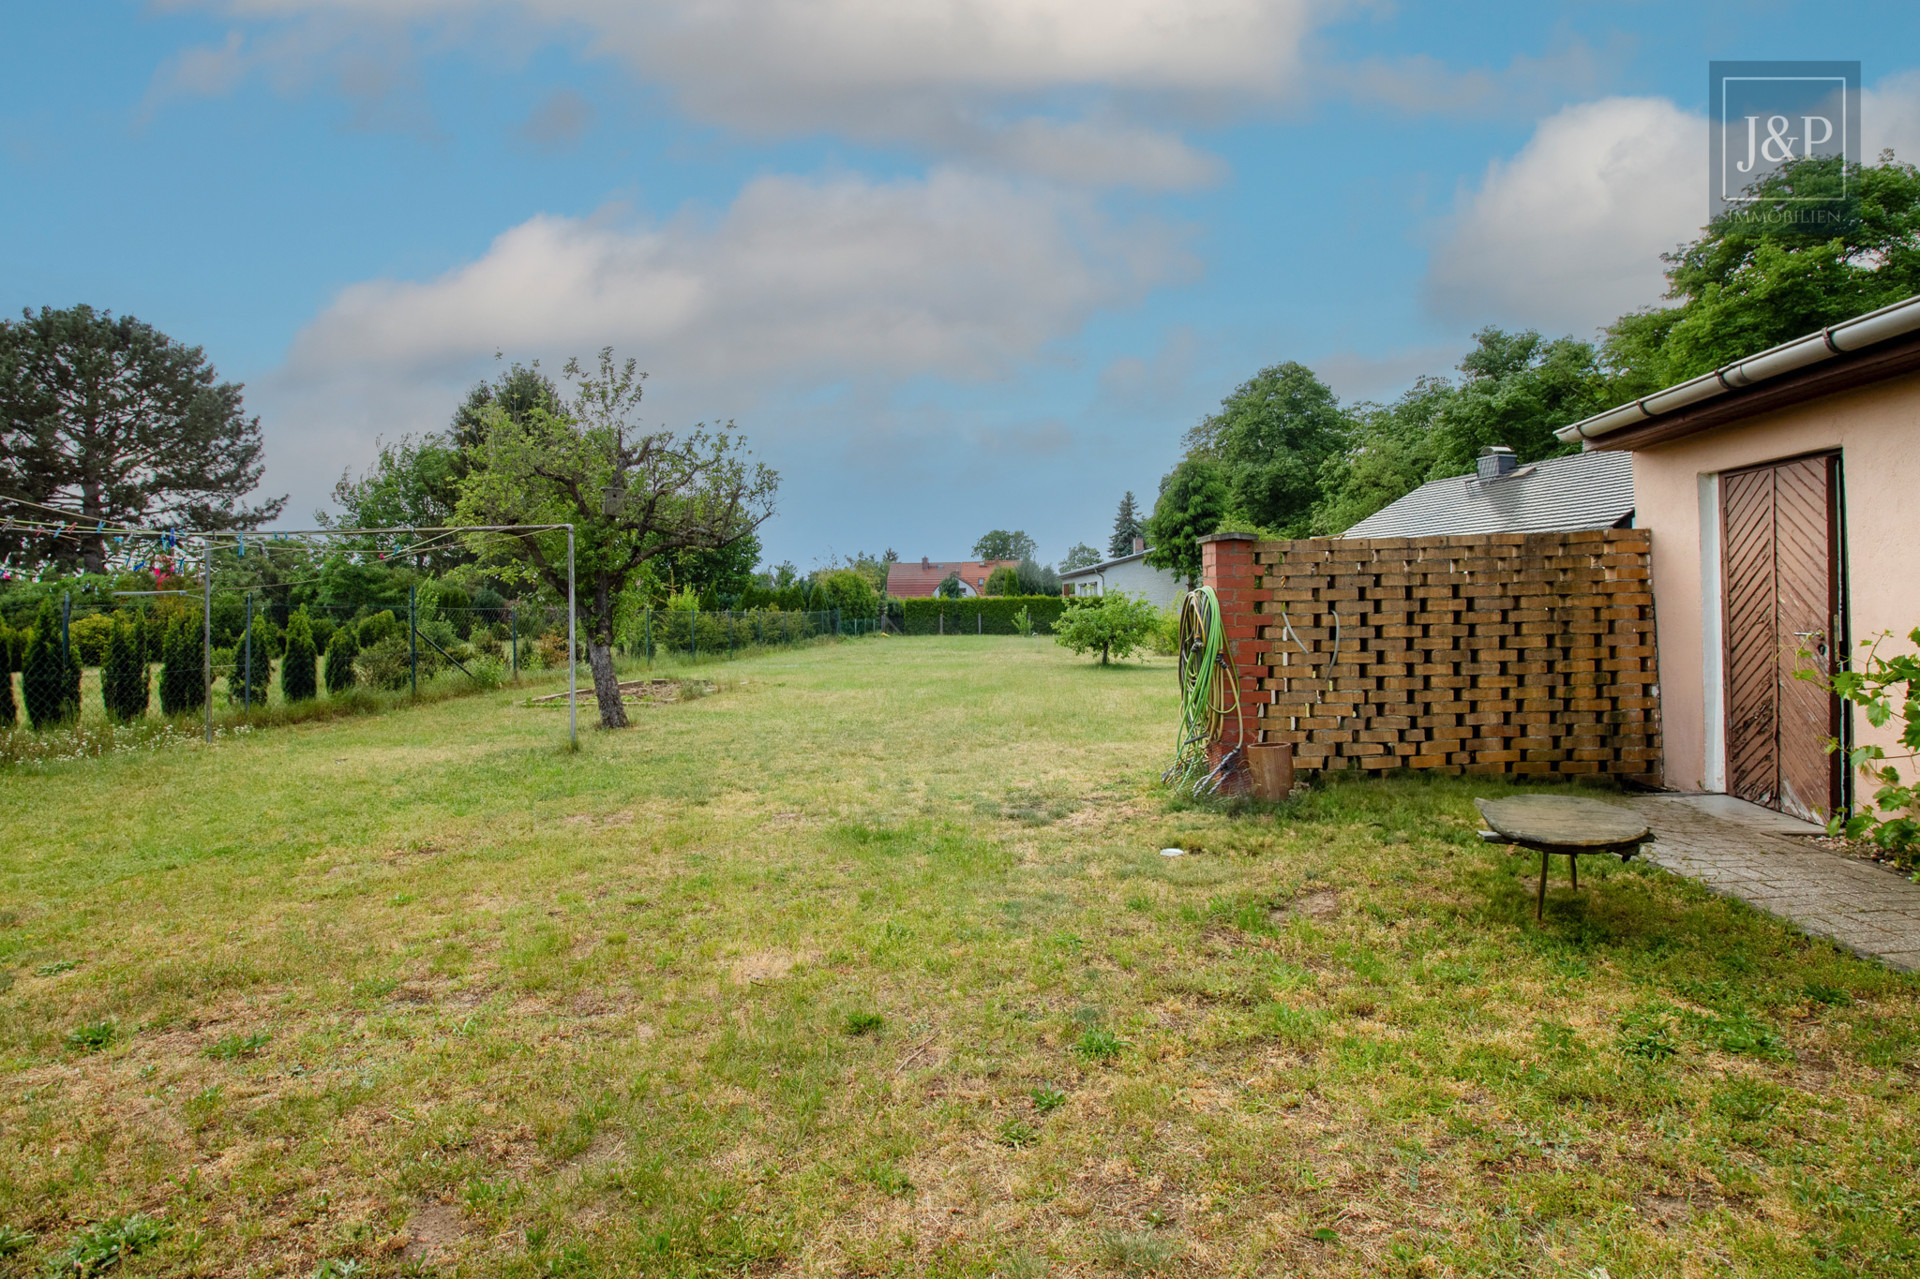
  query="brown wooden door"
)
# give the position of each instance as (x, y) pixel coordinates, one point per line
(1781, 581)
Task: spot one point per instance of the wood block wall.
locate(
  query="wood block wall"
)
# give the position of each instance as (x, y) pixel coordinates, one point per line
(1504, 653)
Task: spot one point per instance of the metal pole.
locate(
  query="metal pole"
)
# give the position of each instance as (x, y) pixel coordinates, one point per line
(246, 698)
(66, 623)
(693, 634)
(413, 640)
(513, 629)
(206, 631)
(573, 695)
(649, 639)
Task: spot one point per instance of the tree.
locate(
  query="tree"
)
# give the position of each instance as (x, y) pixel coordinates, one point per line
(118, 423)
(517, 392)
(1126, 527)
(124, 686)
(9, 709)
(414, 483)
(1000, 544)
(1193, 501)
(1114, 624)
(48, 673)
(950, 587)
(183, 684)
(1517, 389)
(1081, 555)
(298, 680)
(1270, 439)
(848, 590)
(1745, 285)
(1394, 451)
(1002, 581)
(631, 497)
(342, 647)
(1036, 579)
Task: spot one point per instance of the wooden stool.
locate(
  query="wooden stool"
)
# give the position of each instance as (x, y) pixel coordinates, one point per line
(1562, 824)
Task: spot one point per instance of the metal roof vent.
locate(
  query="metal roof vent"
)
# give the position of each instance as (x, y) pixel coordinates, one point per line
(1496, 460)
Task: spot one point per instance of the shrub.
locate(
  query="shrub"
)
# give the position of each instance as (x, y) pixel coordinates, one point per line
(262, 673)
(377, 627)
(1112, 625)
(1036, 579)
(342, 649)
(89, 637)
(124, 688)
(52, 695)
(323, 628)
(849, 591)
(9, 711)
(183, 685)
(383, 664)
(1887, 689)
(1003, 581)
(489, 605)
(298, 678)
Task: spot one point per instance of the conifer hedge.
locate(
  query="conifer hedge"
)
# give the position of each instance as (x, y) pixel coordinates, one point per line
(991, 616)
(298, 676)
(341, 650)
(9, 712)
(183, 685)
(46, 674)
(124, 687)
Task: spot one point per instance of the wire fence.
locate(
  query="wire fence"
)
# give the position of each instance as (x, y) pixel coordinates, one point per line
(136, 655)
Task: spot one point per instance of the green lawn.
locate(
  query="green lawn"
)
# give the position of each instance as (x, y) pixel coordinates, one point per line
(869, 964)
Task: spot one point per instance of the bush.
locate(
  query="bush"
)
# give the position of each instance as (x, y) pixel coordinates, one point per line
(323, 628)
(89, 637)
(976, 616)
(342, 649)
(1036, 579)
(298, 677)
(384, 664)
(262, 674)
(183, 684)
(1113, 625)
(9, 711)
(1887, 690)
(1003, 581)
(847, 590)
(49, 679)
(124, 689)
(378, 627)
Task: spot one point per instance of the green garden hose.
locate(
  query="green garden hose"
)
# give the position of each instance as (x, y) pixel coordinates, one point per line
(1209, 693)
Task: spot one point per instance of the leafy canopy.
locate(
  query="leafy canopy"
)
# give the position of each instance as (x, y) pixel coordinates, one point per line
(1113, 625)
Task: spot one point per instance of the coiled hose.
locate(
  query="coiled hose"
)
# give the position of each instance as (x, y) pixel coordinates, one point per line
(1209, 694)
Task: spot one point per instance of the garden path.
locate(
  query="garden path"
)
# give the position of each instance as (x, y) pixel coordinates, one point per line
(1770, 861)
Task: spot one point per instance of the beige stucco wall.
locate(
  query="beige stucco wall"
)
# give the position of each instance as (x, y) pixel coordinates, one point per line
(1877, 430)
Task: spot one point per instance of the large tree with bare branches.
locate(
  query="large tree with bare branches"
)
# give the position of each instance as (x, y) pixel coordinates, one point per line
(630, 494)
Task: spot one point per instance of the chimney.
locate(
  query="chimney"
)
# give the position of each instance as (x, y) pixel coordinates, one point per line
(1139, 545)
(1496, 460)
(923, 562)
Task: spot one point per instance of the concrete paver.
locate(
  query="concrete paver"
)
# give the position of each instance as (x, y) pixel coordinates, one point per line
(1767, 860)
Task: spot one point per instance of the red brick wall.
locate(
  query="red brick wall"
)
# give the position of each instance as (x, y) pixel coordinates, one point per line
(1506, 653)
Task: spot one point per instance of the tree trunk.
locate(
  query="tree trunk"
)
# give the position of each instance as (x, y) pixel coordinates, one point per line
(606, 685)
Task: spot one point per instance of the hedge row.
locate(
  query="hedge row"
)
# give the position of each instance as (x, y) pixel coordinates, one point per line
(990, 616)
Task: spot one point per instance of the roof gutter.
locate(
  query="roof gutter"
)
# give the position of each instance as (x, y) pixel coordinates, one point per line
(1836, 339)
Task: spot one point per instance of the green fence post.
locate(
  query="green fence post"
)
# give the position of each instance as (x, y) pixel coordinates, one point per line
(693, 635)
(513, 630)
(729, 634)
(246, 698)
(413, 639)
(66, 620)
(649, 639)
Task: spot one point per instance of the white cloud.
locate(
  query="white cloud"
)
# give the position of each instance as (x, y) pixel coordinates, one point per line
(1890, 118)
(799, 285)
(1567, 235)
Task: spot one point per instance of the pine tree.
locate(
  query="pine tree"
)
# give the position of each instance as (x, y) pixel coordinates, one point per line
(298, 680)
(123, 680)
(46, 673)
(1126, 527)
(9, 711)
(183, 684)
(341, 650)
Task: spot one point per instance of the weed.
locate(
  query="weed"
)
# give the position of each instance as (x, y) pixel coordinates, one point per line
(1097, 1043)
(863, 1023)
(1325, 1234)
(1018, 1133)
(1743, 1033)
(1832, 996)
(1047, 1099)
(92, 1036)
(1746, 1100)
(56, 967)
(235, 1046)
(102, 1247)
(886, 1177)
(1136, 1251)
(1648, 1035)
(1021, 1265)
(13, 1240)
(340, 1268)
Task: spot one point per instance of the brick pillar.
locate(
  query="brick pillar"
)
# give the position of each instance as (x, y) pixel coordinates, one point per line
(1227, 565)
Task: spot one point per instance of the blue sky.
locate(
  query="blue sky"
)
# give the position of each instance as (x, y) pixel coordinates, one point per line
(951, 264)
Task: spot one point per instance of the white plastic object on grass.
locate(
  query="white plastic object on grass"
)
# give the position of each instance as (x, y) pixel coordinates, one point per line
(1173, 852)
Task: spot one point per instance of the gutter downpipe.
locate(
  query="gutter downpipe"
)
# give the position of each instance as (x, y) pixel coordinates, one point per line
(1837, 339)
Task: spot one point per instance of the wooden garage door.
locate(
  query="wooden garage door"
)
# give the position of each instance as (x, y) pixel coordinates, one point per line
(1781, 575)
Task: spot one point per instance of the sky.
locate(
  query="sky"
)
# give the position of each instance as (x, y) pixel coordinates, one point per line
(950, 265)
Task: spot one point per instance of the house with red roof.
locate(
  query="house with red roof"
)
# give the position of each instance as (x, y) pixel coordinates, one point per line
(907, 580)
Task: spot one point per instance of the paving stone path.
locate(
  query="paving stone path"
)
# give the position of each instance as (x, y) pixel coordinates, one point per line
(1767, 860)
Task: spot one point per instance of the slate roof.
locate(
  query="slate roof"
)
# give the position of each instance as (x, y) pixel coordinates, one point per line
(1559, 494)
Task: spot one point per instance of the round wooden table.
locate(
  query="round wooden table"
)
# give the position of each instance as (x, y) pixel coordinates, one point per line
(1562, 824)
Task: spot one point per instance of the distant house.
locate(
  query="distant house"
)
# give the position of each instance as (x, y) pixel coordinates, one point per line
(1129, 573)
(918, 581)
(1557, 495)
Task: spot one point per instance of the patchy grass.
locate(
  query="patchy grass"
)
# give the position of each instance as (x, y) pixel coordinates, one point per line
(869, 965)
